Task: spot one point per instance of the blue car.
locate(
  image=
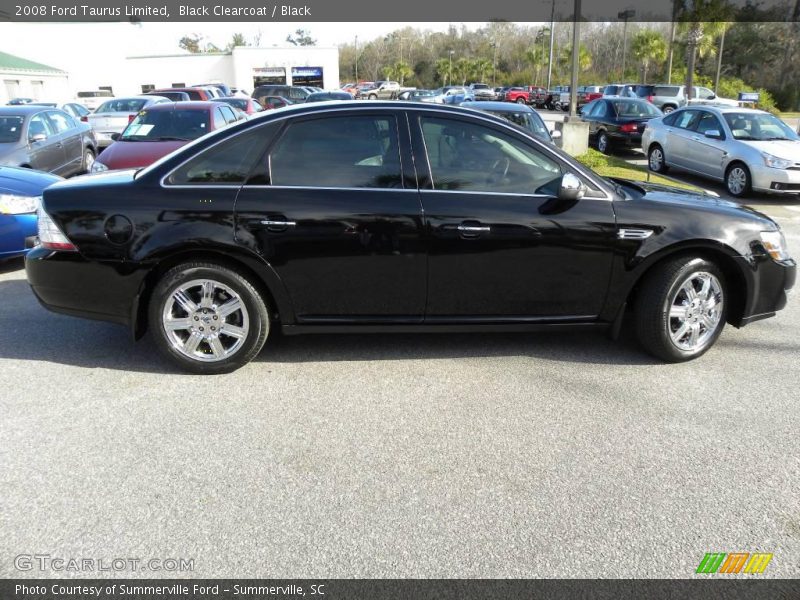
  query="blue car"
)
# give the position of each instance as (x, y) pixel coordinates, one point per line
(20, 193)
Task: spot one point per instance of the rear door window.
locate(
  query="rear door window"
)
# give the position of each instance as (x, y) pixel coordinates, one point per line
(686, 119)
(338, 152)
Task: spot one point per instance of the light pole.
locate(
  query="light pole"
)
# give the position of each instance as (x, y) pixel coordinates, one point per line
(494, 63)
(624, 16)
(450, 69)
(576, 47)
(356, 60)
(552, 32)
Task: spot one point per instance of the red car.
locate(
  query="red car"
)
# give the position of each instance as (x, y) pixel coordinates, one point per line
(195, 93)
(160, 129)
(247, 105)
(270, 102)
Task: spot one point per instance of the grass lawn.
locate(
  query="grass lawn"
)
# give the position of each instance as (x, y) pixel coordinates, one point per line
(611, 166)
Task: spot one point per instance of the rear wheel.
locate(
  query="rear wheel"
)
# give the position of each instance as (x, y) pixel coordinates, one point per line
(520, 100)
(667, 108)
(603, 144)
(208, 318)
(88, 161)
(655, 159)
(680, 309)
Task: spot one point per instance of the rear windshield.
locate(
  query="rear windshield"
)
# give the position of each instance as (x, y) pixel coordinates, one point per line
(480, 86)
(627, 108)
(100, 94)
(527, 120)
(126, 106)
(10, 129)
(166, 125)
(240, 103)
(666, 90)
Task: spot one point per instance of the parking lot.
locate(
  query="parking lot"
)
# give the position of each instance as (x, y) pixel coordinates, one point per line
(551, 455)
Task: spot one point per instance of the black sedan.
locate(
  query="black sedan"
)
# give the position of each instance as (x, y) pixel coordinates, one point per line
(618, 122)
(47, 139)
(519, 114)
(395, 216)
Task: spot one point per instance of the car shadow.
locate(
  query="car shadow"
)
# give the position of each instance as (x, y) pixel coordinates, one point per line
(30, 332)
(11, 265)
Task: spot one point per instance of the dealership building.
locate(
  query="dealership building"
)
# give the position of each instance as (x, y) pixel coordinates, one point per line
(23, 78)
(242, 67)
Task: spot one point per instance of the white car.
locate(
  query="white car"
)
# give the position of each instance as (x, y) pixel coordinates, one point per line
(93, 98)
(747, 149)
(703, 95)
(114, 115)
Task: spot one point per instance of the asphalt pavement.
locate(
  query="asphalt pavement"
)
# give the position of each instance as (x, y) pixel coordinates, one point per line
(550, 455)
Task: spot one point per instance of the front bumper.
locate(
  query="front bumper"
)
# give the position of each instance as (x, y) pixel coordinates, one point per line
(772, 282)
(776, 181)
(17, 233)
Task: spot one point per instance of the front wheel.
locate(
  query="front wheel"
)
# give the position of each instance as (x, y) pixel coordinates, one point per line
(737, 180)
(208, 318)
(373, 97)
(603, 144)
(680, 309)
(655, 159)
(88, 161)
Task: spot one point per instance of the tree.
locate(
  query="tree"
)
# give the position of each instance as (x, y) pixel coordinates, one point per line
(191, 43)
(301, 37)
(463, 68)
(237, 39)
(481, 66)
(442, 68)
(647, 46)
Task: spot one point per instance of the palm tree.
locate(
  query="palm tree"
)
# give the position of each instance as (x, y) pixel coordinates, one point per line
(480, 67)
(648, 45)
(462, 69)
(442, 67)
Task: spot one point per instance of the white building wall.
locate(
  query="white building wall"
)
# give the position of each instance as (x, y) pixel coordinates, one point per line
(163, 71)
(246, 60)
(54, 87)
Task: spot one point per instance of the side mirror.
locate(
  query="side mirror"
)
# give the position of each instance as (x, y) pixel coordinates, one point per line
(39, 137)
(714, 134)
(555, 134)
(115, 137)
(571, 188)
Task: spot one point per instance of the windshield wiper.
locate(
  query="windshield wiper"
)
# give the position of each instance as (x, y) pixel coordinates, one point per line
(170, 138)
(770, 139)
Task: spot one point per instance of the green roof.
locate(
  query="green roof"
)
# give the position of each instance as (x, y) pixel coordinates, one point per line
(9, 62)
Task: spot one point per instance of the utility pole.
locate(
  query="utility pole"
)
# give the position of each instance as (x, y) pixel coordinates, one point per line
(719, 57)
(356, 60)
(552, 32)
(450, 69)
(624, 16)
(494, 64)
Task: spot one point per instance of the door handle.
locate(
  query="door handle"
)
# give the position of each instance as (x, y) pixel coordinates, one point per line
(474, 228)
(269, 223)
(58, 145)
(695, 138)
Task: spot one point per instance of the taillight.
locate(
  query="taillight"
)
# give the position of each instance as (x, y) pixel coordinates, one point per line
(131, 118)
(629, 127)
(50, 236)
(85, 119)
(650, 98)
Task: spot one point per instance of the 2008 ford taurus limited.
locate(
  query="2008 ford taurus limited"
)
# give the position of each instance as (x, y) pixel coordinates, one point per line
(383, 217)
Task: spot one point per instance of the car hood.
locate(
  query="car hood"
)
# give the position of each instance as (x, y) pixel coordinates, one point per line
(25, 182)
(677, 197)
(788, 149)
(132, 155)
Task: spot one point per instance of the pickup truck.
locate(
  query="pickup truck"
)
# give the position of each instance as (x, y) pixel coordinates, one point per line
(527, 95)
(587, 93)
(383, 90)
(560, 97)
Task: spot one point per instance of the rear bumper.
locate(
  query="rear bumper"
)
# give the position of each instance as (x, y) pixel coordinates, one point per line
(65, 282)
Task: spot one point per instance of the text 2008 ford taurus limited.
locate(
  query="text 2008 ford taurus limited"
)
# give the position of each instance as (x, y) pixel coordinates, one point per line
(383, 217)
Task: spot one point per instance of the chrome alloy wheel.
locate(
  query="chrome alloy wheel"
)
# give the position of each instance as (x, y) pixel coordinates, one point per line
(656, 159)
(205, 320)
(695, 311)
(737, 180)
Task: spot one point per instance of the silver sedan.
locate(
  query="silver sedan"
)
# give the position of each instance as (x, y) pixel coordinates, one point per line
(747, 149)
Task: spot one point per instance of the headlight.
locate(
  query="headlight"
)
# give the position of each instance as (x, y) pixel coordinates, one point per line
(775, 162)
(775, 244)
(18, 205)
(98, 167)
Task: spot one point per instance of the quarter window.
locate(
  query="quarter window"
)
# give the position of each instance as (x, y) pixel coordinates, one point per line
(686, 119)
(473, 158)
(61, 122)
(229, 162)
(341, 152)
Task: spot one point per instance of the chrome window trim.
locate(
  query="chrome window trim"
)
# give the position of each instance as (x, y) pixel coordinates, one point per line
(381, 105)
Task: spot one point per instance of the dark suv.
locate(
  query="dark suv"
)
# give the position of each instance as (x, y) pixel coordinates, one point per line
(290, 92)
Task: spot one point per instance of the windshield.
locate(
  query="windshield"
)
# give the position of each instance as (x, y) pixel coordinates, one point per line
(10, 129)
(126, 106)
(420, 93)
(635, 109)
(167, 125)
(758, 126)
(240, 103)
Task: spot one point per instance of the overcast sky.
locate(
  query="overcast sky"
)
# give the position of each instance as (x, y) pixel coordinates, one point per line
(65, 45)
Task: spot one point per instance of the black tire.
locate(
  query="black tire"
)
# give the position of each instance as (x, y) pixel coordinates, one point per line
(520, 100)
(656, 160)
(254, 320)
(655, 326)
(668, 108)
(603, 143)
(734, 175)
(87, 160)
(372, 97)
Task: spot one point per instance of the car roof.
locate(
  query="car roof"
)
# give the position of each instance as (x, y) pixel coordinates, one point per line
(505, 107)
(25, 109)
(724, 108)
(184, 105)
